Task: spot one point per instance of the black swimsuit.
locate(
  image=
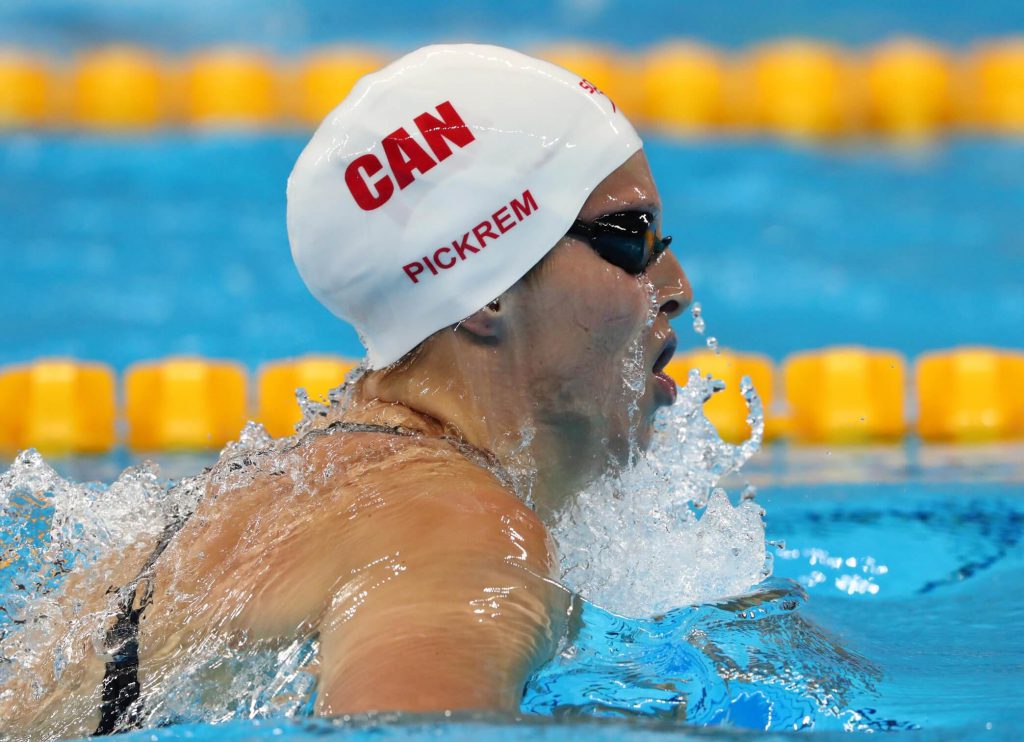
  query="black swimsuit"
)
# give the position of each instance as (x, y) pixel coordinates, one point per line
(121, 709)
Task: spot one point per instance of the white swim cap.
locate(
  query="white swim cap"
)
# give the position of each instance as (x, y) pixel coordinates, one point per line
(440, 181)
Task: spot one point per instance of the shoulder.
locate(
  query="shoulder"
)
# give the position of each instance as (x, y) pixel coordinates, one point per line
(433, 499)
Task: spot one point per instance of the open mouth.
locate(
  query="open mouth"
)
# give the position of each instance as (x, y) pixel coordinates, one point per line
(665, 383)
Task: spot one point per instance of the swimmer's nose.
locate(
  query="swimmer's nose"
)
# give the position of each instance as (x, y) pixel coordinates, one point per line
(670, 282)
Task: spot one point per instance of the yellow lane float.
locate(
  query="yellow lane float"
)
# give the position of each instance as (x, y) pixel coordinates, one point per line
(277, 408)
(996, 86)
(970, 394)
(26, 88)
(119, 88)
(181, 404)
(229, 87)
(326, 77)
(684, 88)
(909, 89)
(845, 395)
(57, 406)
(798, 89)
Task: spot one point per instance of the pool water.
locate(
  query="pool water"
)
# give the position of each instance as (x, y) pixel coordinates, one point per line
(922, 579)
(58, 25)
(128, 249)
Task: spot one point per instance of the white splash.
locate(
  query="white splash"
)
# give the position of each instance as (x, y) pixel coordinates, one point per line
(638, 544)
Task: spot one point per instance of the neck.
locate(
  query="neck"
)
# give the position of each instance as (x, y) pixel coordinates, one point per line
(488, 410)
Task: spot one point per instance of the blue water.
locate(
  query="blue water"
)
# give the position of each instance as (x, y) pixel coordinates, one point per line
(292, 25)
(118, 250)
(912, 611)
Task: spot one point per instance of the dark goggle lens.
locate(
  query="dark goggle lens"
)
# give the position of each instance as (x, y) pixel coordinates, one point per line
(626, 239)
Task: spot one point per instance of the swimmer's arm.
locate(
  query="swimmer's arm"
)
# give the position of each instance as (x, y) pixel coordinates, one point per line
(459, 618)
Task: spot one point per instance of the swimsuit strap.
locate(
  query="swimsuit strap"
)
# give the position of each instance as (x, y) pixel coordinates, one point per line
(121, 707)
(352, 427)
(475, 455)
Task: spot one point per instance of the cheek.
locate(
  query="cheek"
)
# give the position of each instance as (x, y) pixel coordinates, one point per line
(612, 312)
(602, 322)
(580, 321)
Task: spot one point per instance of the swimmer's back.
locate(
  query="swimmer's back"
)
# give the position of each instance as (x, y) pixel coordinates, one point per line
(412, 562)
(424, 577)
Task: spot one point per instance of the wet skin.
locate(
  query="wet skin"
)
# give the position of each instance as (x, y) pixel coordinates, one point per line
(427, 578)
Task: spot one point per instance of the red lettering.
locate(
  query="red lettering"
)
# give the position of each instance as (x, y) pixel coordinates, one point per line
(356, 175)
(404, 156)
(463, 247)
(449, 127)
(483, 229)
(502, 220)
(591, 88)
(437, 258)
(524, 209)
(412, 270)
(444, 258)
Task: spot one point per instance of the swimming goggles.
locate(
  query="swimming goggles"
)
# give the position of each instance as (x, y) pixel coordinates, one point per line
(627, 239)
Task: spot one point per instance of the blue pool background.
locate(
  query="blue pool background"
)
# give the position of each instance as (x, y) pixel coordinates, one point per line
(125, 249)
(60, 26)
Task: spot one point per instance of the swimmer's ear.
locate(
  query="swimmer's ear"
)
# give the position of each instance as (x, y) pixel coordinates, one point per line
(485, 324)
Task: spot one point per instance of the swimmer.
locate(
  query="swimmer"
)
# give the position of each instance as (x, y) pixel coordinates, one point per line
(489, 224)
